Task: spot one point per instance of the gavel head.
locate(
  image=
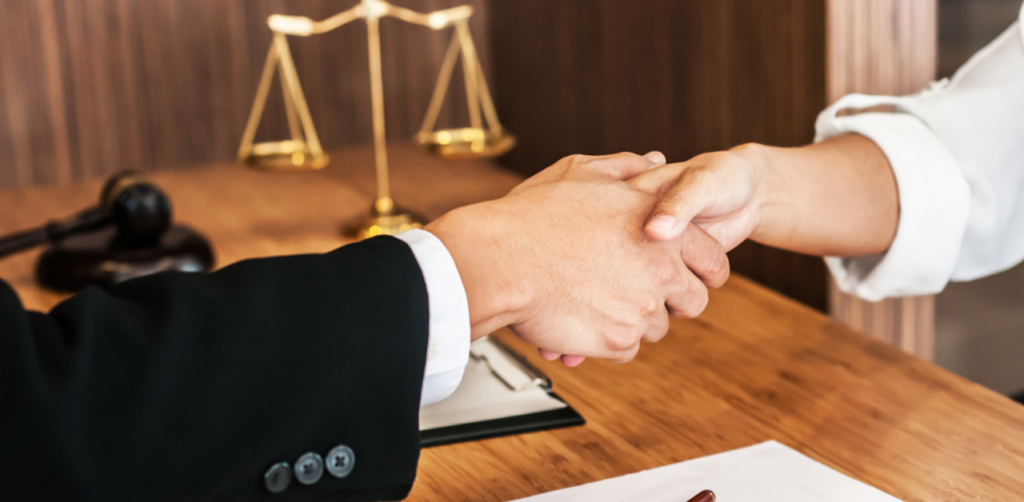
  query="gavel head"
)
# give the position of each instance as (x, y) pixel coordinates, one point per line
(141, 212)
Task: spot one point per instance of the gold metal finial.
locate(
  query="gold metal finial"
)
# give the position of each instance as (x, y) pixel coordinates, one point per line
(303, 150)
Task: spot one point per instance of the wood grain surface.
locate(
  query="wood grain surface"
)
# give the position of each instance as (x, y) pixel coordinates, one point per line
(603, 76)
(755, 366)
(248, 214)
(885, 47)
(91, 87)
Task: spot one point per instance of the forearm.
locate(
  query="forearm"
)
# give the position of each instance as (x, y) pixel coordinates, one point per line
(833, 198)
(272, 358)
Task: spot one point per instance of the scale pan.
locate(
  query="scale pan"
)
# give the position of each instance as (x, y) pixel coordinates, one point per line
(288, 155)
(466, 143)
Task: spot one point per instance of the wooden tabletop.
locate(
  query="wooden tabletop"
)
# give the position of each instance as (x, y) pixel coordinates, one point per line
(755, 366)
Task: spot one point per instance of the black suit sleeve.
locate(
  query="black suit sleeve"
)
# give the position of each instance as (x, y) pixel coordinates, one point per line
(190, 386)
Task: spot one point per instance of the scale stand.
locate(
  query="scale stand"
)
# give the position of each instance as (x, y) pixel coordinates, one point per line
(303, 150)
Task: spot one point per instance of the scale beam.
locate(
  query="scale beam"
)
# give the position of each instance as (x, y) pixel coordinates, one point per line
(375, 9)
(303, 150)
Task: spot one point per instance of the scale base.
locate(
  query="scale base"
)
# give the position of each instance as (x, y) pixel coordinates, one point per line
(284, 156)
(468, 143)
(99, 259)
(385, 219)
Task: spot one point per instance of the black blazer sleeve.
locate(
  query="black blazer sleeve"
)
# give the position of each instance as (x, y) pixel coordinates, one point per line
(190, 386)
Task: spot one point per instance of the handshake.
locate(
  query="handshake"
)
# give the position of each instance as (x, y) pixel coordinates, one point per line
(586, 258)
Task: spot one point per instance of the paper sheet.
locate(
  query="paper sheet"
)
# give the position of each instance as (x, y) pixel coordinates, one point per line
(767, 472)
(483, 396)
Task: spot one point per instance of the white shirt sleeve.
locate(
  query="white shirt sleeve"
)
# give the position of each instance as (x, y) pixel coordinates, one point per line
(957, 152)
(449, 334)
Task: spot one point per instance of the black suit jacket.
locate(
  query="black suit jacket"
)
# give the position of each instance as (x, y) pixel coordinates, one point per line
(190, 386)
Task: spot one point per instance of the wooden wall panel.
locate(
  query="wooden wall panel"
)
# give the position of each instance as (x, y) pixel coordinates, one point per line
(880, 46)
(883, 47)
(92, 87)
(602, 76)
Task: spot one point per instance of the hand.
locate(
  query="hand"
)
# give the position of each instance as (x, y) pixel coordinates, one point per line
(562, 260)
(837, 197)
(722, 192)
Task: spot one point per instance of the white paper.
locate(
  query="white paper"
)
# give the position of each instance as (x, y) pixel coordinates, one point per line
(502, 364)
(767, 472)
(484, 396)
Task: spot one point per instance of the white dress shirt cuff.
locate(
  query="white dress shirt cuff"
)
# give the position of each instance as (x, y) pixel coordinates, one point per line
(449, 335)
(934, 201)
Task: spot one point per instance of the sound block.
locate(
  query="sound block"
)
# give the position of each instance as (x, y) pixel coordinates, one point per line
(99, 259)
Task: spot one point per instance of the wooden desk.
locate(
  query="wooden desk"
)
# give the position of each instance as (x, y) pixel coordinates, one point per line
(754, 367)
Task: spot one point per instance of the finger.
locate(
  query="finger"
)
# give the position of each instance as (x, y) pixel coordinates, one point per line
(619, 166)
(657, 158)
(687, 297)
(658, 327)
(659, 180)
(690, 195)
(627, 355)
(548, 355)
(572, 360)
(704, 256)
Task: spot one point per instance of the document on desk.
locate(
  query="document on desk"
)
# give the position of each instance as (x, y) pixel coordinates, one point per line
(500, 394)
(767, 472)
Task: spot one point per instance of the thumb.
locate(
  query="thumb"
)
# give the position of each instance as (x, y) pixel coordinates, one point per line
(683, 198)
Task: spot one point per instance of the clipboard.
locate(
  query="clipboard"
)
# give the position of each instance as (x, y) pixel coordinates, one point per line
(501, 394)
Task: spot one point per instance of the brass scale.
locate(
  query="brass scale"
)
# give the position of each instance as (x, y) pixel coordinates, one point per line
(304, 152)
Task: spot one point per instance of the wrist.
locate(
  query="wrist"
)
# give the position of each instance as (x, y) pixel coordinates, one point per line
(764, 202)
(475, 236)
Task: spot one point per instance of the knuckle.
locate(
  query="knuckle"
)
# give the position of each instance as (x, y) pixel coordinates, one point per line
(629, 353)
(705, 256)
(641, 331)
(625, 157)
(620, 340)
(649, 309)
(658, 330)
(578, 160)
(695, 303)
(664, 271)
(716, 265)
(721, 272)
(618, 164)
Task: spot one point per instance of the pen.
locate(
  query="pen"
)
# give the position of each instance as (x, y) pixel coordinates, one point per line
(704, 496)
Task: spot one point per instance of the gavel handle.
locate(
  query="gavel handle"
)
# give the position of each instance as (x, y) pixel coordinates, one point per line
(23, 240)
(90, 219)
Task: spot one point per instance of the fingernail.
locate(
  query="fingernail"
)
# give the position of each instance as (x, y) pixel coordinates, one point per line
(661, 223)
(657, 158)
(572, 361)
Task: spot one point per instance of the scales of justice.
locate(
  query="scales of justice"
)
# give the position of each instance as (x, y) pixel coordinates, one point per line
(304, 152)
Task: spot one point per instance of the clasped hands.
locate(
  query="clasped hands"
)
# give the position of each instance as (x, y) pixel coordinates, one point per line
(574, 261)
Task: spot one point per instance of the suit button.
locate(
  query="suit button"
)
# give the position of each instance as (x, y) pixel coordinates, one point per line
(278, 477)
(308, 468)
(340, 461)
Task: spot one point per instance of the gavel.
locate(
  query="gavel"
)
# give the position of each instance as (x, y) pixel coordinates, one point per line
(140, 211)
(128, 234)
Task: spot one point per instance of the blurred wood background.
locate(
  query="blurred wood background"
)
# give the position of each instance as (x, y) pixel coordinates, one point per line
(92, 87)
(883, 47)
(603, 76)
